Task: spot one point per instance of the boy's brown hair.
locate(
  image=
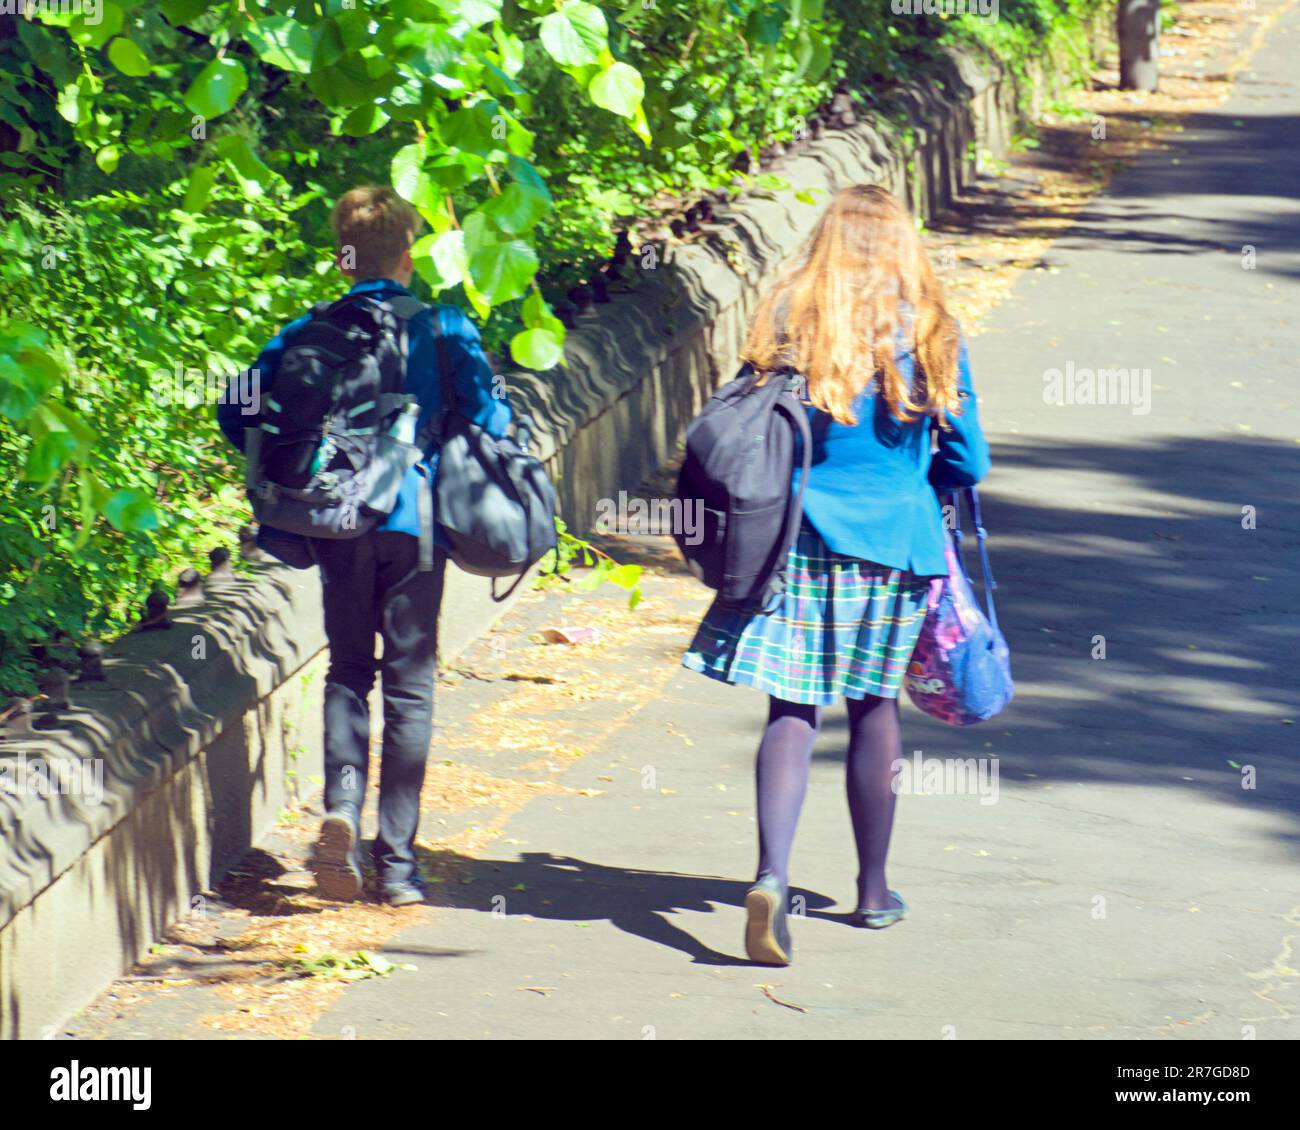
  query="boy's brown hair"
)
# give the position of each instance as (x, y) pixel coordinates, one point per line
(372, 227)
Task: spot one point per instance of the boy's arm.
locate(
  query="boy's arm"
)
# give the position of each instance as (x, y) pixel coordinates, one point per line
(234, 411)
(962, 456)
(479, 396)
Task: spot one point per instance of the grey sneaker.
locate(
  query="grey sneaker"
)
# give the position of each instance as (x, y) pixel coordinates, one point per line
(403, 894)
(767, 933)
(334, 862)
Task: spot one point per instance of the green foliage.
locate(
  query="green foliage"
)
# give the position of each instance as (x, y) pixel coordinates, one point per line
(602, 569)
(166, 176)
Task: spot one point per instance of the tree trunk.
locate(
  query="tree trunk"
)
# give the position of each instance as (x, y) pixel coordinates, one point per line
(1137, 26)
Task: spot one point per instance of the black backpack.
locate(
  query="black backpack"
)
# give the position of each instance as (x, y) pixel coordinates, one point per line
(336, 434)
(495, 502)
(740, 467)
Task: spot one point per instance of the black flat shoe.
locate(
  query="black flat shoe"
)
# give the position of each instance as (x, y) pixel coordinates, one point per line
(767, 933)
(334, 862)
(878, 919)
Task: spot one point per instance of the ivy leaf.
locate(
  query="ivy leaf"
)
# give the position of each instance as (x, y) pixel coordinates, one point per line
(283, 42)
(618, 88)
(575, 35)
(536, 349)
(126, 56)
(216, 88)
(130, 509)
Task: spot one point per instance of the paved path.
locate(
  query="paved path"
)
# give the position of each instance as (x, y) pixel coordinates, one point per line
(1124, 884)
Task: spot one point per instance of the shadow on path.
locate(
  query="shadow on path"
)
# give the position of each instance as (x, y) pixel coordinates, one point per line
(563, 888)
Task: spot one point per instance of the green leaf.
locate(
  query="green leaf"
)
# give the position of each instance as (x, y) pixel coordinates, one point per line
(199, 189)
(812, 55)
(130, 509)
(246, 164)
(409, 178)
(576, 35)
(476, 12)
(70, 103)
(500, 269)
(625, 576)
(283, 42)
(536, 349)
(97, 34)
(766, 25)
(126, 56)
(344, 84)
(440, 259)
(216, 88)
(108, 157)
(28, 370)
(619, 88)
(364, 120)
(60, 437)
(518, 208)
(183, 11)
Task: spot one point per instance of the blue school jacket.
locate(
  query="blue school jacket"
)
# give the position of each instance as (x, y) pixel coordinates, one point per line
(872, 488)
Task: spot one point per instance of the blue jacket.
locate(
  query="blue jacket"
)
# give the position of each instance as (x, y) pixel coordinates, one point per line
(470, 373)
(871, 488)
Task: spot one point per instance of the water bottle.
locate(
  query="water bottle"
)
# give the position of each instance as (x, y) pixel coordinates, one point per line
(403, 428)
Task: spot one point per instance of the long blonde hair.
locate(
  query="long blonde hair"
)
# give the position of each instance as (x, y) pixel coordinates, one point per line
(834, 313)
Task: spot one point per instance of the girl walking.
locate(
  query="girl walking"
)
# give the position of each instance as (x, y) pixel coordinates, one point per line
(893, 416)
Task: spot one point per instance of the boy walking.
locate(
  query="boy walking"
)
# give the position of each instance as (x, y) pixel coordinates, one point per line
(381, 583)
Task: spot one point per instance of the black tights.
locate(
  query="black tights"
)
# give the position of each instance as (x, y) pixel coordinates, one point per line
(784, 757)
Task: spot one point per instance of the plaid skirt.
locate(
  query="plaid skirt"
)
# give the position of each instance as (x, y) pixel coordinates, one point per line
(844, 628)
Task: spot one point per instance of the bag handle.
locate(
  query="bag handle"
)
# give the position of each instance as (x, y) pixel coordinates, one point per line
(981, 535)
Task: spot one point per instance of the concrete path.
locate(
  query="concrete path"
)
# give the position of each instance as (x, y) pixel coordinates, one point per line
(1121, 882)
(1125, 883)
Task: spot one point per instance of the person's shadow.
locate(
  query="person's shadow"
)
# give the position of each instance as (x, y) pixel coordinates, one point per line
(577, 890)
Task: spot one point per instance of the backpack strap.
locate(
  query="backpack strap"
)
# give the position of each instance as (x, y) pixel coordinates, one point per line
(797, 385)
(408, 307)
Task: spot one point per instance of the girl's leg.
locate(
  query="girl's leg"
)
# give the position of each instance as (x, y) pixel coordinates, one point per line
(784, 756)
(874, 745)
